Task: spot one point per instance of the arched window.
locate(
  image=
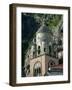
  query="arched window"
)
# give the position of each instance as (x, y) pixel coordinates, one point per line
(34, 55)
(38, 49)
(49, 50)
(44, 49)
(37, 69)
(34, 39)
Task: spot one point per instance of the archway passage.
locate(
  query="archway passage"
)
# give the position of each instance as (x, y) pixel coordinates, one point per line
(37, 69)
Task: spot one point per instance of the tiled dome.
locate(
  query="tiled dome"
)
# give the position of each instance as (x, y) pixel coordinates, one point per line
(43, 29)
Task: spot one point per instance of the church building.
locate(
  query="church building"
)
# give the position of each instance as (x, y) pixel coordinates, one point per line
(45, 50)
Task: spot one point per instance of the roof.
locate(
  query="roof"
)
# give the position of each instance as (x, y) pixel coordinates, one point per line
(43, 29)
(58, 66)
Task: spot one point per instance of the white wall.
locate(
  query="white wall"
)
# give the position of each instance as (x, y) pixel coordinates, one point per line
(4, 44)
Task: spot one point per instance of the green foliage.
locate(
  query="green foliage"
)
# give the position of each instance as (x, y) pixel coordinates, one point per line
(51, 20)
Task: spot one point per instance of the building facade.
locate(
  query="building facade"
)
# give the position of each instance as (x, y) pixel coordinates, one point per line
(45, 50)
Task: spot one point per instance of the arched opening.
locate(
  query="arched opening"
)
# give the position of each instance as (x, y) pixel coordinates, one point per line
(44, 49)
(39, 50)
(34, 54)
(51, 63)
(50, 50)
(61, 61)
(37, 69)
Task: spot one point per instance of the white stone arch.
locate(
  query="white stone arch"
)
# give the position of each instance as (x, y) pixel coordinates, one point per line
(37, 69)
